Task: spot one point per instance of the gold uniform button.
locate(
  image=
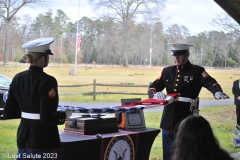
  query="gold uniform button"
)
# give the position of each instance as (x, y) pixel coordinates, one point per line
(175, 90)
(178, 71)
(176, 84)
(177, 79)
(178, 75)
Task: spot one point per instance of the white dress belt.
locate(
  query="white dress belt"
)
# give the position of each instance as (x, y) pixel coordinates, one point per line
(185, 99)
(30, 115)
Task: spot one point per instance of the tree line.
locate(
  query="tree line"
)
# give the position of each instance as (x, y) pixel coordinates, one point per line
(104, 41)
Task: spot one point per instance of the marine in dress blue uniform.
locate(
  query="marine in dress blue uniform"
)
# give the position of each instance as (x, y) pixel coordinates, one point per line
(33, 97)
(236, 93)
(187, 80)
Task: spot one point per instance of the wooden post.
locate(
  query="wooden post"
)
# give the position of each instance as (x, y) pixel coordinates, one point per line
(94, 90)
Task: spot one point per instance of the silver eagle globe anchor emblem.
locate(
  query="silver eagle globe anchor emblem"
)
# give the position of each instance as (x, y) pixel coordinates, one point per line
(120, 148)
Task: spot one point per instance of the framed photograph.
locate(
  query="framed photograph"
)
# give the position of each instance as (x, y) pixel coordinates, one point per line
(134, 120)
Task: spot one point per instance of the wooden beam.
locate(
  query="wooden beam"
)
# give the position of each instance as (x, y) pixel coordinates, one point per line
(232, 7)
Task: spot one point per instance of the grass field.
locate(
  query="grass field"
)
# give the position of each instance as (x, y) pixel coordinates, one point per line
(115, 75)
(222, 118)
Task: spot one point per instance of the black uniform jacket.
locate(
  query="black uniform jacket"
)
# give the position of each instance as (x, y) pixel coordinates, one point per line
(33, 91)
(187, 81)
(236, 91)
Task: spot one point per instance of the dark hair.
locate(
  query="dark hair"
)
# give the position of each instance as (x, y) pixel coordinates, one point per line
(195, 141)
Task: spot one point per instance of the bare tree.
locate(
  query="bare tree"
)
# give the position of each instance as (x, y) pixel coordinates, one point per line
(125, 11)
(225, 22)
(8, 8)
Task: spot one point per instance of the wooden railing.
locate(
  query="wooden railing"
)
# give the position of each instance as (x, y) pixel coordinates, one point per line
(95, 92)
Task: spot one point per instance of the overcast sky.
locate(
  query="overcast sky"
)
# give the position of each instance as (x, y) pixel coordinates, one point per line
(195, 15)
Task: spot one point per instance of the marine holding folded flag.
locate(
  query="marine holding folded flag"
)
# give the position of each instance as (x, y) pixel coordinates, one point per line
(33, 97)
(187, 80)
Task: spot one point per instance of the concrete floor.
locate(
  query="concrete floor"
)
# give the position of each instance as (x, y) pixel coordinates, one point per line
(236, 155)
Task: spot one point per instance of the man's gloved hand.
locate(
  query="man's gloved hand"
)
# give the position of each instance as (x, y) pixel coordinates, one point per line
(151, 92)
(159, 95)
(220, 95)
(68, 112)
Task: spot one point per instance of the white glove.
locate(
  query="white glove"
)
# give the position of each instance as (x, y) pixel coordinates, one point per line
(68, 112)
(220, 95)
(159, 95)
(170, 99)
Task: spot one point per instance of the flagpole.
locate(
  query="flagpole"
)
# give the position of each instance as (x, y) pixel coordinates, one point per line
(75, 66)
(150, 50)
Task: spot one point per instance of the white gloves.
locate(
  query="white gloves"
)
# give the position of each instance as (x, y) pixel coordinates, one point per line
(162, 96)
(68, 112)
(159, 95)
(220, 95)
